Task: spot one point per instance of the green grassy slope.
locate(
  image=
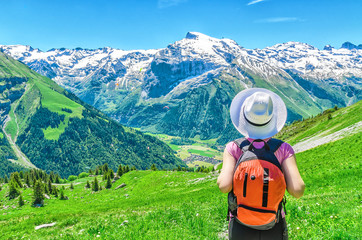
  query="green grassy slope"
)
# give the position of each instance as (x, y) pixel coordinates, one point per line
(159, 205)
(55, 102)
(329, 121)
(181, 205)
(331, 205)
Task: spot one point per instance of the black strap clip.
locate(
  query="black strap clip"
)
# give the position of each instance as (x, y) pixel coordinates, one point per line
(284, 202)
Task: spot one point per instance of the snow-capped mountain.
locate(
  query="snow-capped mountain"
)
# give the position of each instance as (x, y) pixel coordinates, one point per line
(312, 63)
(169, 89)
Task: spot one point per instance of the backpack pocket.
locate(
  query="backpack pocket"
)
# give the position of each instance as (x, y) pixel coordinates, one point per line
(261, 219)
(245, 184)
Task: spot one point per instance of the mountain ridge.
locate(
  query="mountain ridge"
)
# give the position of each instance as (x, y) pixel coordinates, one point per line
(131, 86)
(55, 130)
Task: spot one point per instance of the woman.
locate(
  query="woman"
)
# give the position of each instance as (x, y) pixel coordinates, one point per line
(259, 114)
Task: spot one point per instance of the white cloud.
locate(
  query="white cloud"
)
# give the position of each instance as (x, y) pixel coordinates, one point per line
(169, 3)
(255, 1)
(279, 19)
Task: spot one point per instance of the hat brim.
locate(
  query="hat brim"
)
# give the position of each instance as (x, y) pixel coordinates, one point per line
(258, 132)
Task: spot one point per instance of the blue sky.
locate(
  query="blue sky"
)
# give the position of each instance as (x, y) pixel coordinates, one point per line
(147, 24)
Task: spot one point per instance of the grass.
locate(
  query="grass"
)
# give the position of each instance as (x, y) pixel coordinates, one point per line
(200, 147)
(185, 205)
(11, 127)
(329, 122)
(152, 210)
(200, 163)
(202, 153)
(331, 207)
(55, 102)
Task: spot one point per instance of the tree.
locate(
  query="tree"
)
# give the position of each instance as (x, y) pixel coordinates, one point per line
(21, 201)
(105, 168)
(21, 175)
(111, 173)
(45, 187)
(120, 170)
(62, 196)
(153, 167)
(87, 185)
(50, 187)
(105, 176)
(95, 185)
(55, 191)
(72, 178)
(27, 180)
(57, 180)
(71, 186)
(38, 197)
(52, 176)
(16, 177)
(13, 190)
(109, 183)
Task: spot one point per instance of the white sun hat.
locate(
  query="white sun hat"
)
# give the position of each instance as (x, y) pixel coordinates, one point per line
(258, 113)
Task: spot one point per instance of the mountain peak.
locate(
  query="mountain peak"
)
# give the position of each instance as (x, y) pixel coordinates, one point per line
(197, 36)
(291, 45)
(328, 47)
(350, 46)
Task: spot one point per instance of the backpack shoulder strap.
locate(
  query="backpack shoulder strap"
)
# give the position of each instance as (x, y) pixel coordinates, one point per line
(274, 144)
(241, 142)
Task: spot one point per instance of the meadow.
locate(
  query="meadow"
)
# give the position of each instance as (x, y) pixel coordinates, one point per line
(198, 147)
(188, 205)
(330, 121)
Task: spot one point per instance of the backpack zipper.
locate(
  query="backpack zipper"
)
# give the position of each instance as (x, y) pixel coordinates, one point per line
(245, 184)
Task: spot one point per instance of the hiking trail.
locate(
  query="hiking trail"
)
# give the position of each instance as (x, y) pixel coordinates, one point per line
(322, 138)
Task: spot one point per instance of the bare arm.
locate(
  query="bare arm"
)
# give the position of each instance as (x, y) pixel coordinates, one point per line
(295, 183)
(225, 179)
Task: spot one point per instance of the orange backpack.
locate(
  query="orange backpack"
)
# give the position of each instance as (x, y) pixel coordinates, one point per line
(258, 185)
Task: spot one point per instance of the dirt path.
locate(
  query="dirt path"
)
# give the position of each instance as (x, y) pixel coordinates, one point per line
(23, 160)
(320, 139)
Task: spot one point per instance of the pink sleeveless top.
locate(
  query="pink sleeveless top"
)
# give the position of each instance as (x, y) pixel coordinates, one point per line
(285, 150)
